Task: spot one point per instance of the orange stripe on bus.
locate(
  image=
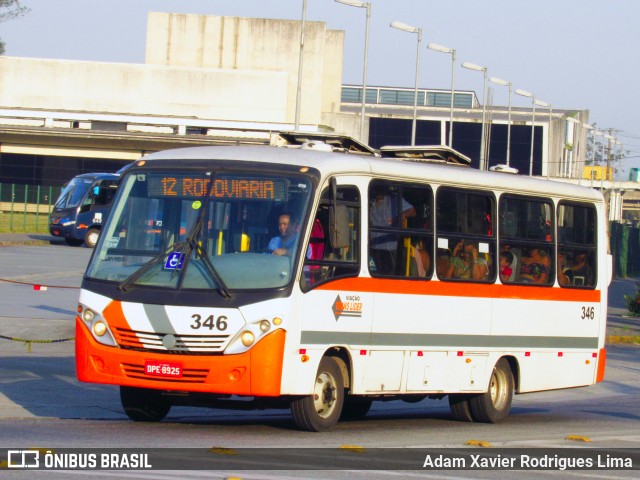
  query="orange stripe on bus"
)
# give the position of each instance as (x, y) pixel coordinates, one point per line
(114, 316)
(462, 289)
(602, 361)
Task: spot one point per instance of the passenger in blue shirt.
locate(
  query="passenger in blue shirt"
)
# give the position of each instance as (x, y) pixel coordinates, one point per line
(284, 243)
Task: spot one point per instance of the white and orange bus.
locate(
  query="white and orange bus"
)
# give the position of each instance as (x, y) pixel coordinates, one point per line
(408, 275)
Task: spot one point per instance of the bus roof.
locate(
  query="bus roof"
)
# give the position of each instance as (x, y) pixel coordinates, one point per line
(343, 162)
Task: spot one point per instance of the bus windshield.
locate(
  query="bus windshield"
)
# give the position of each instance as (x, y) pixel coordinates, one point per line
(202, 230)
(73, 193)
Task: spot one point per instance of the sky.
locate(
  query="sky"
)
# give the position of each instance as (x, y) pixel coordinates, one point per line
(572, 54)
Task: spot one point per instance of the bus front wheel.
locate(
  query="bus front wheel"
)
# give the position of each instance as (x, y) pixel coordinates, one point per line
(493, 405)
(320, 411)
(144, 405)
(91, 238)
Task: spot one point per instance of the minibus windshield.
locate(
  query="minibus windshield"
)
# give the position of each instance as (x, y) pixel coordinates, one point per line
(202, 230)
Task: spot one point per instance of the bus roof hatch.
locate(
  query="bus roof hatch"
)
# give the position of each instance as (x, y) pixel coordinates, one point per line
(426, 153)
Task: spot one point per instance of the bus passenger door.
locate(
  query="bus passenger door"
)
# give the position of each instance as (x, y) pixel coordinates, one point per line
(336, 310)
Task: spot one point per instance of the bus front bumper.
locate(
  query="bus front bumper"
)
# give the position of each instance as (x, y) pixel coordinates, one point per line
(256, 372)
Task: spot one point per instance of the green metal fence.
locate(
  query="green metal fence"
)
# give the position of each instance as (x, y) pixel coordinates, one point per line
(25, 208)
(625, 248)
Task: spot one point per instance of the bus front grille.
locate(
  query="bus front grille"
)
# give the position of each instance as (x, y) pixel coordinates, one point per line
(190, 375)
(170, 343)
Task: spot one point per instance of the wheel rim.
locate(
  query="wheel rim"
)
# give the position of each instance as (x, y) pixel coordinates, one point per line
(324, 395)
(498, 389)
(93, 238)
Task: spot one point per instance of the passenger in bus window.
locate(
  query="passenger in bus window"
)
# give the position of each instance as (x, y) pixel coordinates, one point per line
(578, 272)
(284, 243)
(443, 260)
(466, 263)
(534, 268)
(506, 269)
(420, 260)
(383, 212)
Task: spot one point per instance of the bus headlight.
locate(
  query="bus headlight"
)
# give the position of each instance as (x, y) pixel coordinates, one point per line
(251, 334)
(265, 326)
(97, 325)
(247, 338)
(88, 316)
(99, 328)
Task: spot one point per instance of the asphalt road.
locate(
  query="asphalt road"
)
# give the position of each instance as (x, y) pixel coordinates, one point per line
(42, 405)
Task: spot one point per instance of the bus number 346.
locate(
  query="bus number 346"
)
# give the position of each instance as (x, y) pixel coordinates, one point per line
(588, 313)
(210, 322)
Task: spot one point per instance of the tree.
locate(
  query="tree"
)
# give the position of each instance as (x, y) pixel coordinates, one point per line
(10, 9)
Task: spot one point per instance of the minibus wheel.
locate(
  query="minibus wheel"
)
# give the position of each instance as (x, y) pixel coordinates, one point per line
(91, 238)
(144, 405)
(493, 405)
(320, 411)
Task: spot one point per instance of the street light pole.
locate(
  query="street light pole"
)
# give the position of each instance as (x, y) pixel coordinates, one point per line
(408, 28)
(440, 48)
(473, 66)
(367, 6)
(504, 83)
(300, 58)
(524, 93)
(540, 103)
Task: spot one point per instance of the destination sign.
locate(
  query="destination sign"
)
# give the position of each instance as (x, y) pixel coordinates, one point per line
(250, 188)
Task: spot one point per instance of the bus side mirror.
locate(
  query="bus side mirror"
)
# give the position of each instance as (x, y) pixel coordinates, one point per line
(339, 226)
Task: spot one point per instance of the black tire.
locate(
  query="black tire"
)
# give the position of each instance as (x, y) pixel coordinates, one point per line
(493, 405)
(73, 242)
(144, 405)
(355, 408)
(321, 411)
(91, 238)
(459, 405)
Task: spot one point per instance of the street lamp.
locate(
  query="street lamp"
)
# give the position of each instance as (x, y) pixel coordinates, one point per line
(587, 128)
(300, 57)
(568, 165)
(524, 93)
(504, 83)
(540, 103)
(478, 68)
(367, 5)
(408, 28)
(440, 48)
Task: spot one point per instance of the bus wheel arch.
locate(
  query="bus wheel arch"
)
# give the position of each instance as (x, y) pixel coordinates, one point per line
(320, 411)
(493, 405)
(91, 237)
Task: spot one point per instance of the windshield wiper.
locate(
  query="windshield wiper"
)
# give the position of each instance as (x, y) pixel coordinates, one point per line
(191, 244)
(127, 282)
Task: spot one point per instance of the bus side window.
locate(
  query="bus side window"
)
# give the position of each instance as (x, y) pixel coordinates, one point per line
(577, 245)
(334, 239)
(527, 234)
(400, 229)
(466, 235)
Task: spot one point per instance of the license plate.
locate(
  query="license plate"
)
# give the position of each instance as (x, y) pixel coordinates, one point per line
(163, 369)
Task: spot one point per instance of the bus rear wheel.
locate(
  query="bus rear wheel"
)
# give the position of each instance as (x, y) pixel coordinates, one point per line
(320, 411)
(493, 405)
(144, 405)
(91, 238)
